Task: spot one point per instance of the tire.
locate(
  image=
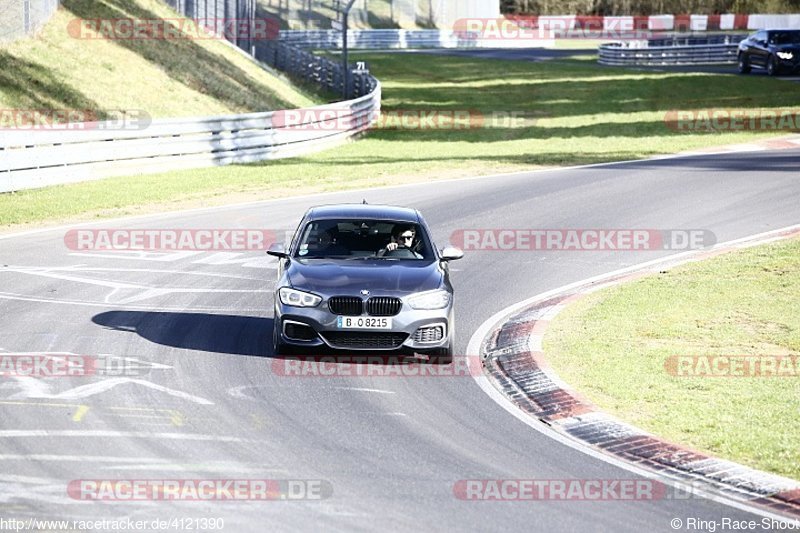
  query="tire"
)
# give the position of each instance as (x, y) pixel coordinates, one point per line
(772, 68)
(442, 356)
(744, 64)
(279, 348)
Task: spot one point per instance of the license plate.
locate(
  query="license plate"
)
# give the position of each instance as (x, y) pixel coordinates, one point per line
(363, 322)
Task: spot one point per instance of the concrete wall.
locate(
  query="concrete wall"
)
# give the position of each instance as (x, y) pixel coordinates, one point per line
(447, 12)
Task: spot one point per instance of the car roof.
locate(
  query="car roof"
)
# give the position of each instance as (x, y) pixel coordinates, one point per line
(365, 211)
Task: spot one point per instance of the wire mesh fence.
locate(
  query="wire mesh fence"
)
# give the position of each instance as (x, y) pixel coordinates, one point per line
(218, 14)
(297, 63)
(19, 18)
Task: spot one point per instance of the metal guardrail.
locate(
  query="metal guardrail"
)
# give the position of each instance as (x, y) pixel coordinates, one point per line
(19, 18)
(33, 159)
(400, 39)
(677, 50)
(366, 39)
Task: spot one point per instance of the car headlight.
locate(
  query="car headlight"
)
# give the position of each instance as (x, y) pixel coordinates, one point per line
(297, 298)
(785, 55)
(437, 299)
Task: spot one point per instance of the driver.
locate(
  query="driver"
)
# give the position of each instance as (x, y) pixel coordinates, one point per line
(402, 237)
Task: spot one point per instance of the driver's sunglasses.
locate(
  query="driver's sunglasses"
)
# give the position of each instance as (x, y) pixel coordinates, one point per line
(407, 237)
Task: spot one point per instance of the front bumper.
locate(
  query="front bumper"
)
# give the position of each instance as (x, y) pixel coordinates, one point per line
(411, 329)
(787, 65)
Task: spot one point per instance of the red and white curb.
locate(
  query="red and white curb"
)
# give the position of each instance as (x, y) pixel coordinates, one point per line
(510, 344)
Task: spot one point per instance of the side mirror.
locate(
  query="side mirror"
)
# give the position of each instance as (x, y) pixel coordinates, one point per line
(451, 253)
(278, 250)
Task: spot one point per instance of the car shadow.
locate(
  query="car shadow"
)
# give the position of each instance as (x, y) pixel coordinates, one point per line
(230, 334)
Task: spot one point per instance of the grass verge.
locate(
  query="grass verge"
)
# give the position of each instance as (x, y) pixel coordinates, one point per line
(567, 112)
(613, 347)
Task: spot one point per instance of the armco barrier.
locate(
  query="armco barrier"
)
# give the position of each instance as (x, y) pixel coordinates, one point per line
(689, 50)
(401, 39)
(33, 159)
(303, 65)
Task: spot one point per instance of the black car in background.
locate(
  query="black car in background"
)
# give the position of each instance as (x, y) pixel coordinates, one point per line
(777, 51)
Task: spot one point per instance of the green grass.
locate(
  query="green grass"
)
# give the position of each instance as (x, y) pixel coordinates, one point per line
(570, 112)
(165, 78)
(612, 346)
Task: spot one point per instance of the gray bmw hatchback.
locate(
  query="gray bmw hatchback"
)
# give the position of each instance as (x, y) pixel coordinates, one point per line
(366, 278)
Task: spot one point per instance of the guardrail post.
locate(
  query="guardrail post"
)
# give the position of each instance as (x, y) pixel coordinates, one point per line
(26, 16)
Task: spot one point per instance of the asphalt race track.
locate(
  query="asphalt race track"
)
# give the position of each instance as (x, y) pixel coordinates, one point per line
(205, 401)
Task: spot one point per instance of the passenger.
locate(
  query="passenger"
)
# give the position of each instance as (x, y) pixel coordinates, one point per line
(327, 245)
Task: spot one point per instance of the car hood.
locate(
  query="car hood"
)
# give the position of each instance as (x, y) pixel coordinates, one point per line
(794, 48)
(349, 277)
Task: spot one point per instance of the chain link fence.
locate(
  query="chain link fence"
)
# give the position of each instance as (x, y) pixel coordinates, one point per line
(220, 14)
(297, 63)
(19, 18)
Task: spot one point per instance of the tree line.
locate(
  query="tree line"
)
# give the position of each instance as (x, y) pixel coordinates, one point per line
(646, 7)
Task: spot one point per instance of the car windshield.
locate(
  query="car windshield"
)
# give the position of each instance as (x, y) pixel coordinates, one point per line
(363, 239)
(785, 37)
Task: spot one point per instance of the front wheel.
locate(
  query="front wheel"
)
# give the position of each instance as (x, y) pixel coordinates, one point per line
(442, 356)
(744, 64)
(279, 348)
(772, 68)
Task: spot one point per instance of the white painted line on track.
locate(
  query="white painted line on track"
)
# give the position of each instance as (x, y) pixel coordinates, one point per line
(37, 389)
(13, 478)
(362, 389)
(83, 268)
(119, 306)
(218, 468)
(148, 291)
(80, 458)
(102, 434)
